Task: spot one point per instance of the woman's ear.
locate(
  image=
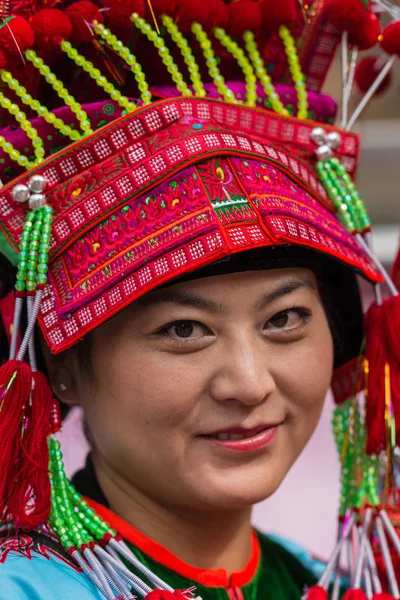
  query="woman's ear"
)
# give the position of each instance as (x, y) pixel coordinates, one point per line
(61, 371)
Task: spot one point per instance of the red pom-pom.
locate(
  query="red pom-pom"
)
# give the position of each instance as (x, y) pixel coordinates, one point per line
(16, 36)
(51, 27)
(191, 11)
(119, 12)
(367, 33)
(367, 71)
(161, 7)
(81, 15)
(391, 38)
(220, 14)
(275, 14)
(355, 595)
(345, 16)
(244, 15)
(317, 593)
(3, 60)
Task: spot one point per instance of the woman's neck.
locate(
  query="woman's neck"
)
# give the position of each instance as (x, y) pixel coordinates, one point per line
(203, 539)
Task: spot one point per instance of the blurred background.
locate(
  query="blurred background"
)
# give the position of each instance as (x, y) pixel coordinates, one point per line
(304, 509)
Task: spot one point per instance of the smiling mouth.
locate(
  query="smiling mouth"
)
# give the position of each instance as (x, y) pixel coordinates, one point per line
(225, 437)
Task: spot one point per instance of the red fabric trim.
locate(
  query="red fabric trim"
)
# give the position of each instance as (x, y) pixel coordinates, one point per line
(207, 577)
(348, 380)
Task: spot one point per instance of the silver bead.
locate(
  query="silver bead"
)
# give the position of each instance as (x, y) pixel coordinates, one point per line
(333, 139)
(324, 152)
(20, 193)
(318, 136)
(37, 184)
(37, 201)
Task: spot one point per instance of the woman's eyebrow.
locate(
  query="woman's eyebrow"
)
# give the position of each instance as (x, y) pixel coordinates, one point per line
(183, 298)
(287, 287)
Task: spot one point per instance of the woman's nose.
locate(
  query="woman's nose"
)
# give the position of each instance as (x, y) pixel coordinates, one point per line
(243, 374)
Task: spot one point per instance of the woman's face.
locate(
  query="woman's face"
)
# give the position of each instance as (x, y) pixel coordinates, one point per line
(206, 392)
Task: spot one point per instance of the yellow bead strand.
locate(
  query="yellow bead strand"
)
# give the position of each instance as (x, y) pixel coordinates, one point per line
(243, 62)
(15, 154)
(212, 64)
(26, 126)
(295, 70)
(96, 75)
(41, 110)
(187, 55)
(164, 53)
(62, 92)
(113, 42)
(261, 73)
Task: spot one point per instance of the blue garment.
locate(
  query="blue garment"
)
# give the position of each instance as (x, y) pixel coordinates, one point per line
(41, 578)
(36, 575)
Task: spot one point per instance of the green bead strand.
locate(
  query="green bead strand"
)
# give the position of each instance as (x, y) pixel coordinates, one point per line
(212, 63)
(295, 70)
(32, 272)
(164, 53)
(262, 75)
(340, 422)
(96, 75)
(20, 284)
(341, 190)
(72, 518)
(41, 110)
(62, 92)
(113, 42)
(187, 54)
(243, 62)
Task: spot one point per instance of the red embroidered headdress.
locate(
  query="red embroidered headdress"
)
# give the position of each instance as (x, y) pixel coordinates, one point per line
(209, 137)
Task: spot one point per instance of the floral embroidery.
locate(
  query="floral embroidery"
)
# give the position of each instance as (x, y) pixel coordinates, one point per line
(81, 185)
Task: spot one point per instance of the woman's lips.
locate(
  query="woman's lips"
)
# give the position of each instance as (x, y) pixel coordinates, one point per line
(242, 440)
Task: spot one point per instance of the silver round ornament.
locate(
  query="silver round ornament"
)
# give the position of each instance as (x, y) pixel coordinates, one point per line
(318, 136)
(333, 139)
(37, 184)
(324, 152)
(37, 201)
(20, 193)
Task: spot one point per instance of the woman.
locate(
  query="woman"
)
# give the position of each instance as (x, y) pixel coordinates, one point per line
(200, 292)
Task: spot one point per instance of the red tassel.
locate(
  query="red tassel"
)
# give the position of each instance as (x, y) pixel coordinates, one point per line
(317, 593)
(383, 596)
(355, 595)
(15, 387)
(30, 504)
(376, 354)
(396, 271)
(392, 328)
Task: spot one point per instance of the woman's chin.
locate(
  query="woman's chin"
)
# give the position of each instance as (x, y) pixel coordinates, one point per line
(237, 494)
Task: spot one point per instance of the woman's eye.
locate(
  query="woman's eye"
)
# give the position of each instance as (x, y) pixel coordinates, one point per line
(288, 320)
(184, 330)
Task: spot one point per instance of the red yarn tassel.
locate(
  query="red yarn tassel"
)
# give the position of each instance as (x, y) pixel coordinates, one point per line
(392, 329)
(355, 595)
(317, 593)
(376, 354)
(30, 504)
(15, 388)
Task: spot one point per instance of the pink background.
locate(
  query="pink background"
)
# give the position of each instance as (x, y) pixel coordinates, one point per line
(303, 509)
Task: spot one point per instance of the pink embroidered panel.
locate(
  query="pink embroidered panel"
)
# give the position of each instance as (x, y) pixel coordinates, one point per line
(134, 153)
